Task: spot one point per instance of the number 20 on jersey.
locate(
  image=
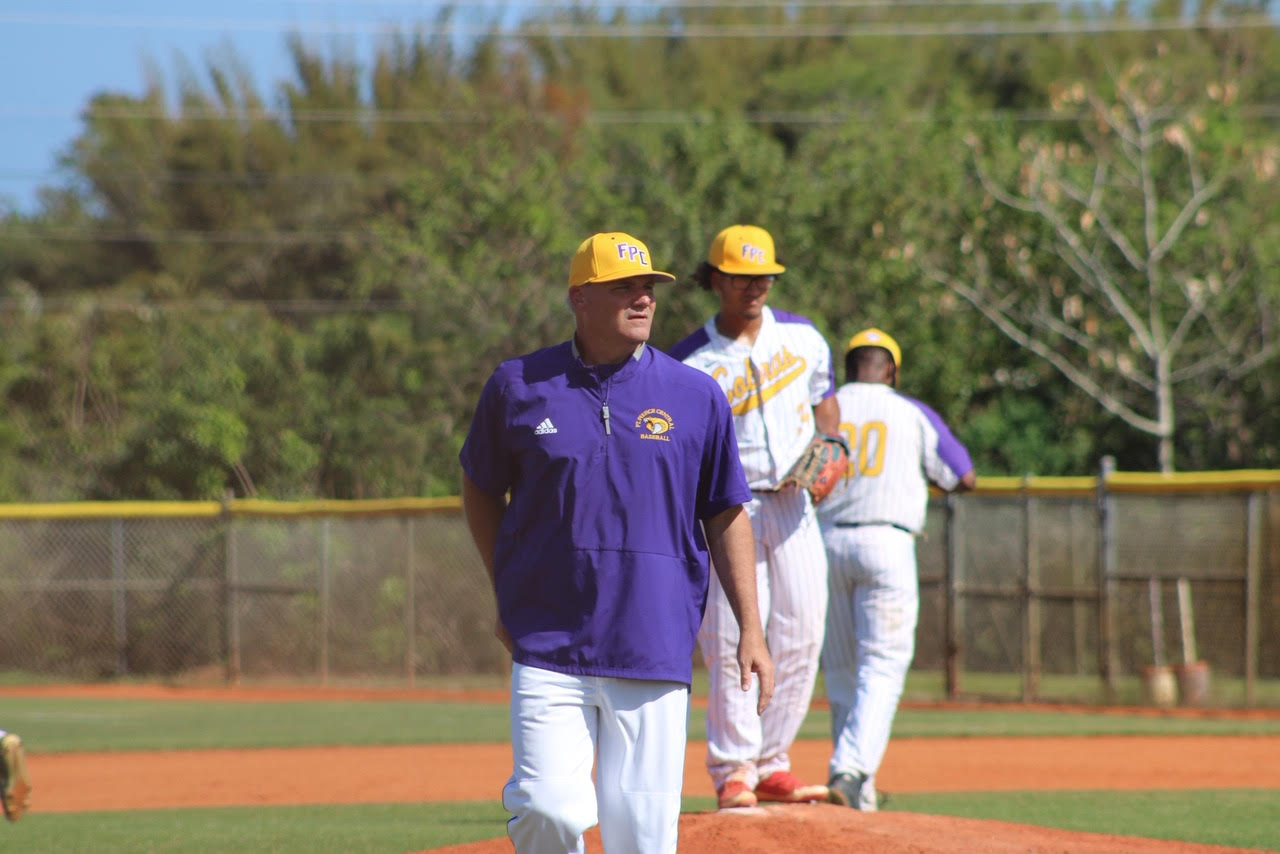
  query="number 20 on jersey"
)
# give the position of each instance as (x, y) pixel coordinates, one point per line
(866, 448)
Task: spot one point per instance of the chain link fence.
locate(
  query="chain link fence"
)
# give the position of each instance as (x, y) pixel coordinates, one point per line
(1061, 582)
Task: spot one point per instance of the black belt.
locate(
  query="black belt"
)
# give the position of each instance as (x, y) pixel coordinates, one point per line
(865, 524)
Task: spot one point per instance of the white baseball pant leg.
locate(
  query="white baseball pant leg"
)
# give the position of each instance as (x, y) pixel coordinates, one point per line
(791, 583)
(870, 641)
(634, 729)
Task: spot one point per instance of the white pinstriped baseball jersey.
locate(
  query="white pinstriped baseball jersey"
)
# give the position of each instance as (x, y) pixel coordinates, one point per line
(772, 387)
(891, 437)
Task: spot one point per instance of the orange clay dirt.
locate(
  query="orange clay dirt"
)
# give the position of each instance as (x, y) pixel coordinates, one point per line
(457, 772)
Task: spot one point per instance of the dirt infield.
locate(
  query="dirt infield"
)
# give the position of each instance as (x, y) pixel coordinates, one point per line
(825, 829)
(78, 781)
(73, 782)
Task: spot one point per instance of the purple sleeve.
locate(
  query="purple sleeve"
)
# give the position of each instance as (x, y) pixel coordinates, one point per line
(484, 453)
(690, 345)
(721, 483)
(831, 375)
(950, 451)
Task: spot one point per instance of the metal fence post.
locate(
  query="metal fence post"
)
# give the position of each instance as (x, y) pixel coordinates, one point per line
(230, 580)
(1252, 574)
(1030, 593)
(119, 597)
(410, 618)
(1079, 607)
(1107, 661)
(324, 601)
(953, 647)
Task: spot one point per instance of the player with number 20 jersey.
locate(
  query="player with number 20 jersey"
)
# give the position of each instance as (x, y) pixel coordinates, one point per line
(869, 525)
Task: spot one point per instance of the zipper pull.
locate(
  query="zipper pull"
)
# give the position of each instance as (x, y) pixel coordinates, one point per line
(604, 414)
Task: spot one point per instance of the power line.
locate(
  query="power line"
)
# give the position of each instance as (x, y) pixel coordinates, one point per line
(703, 4)
(664, 31)
(53, 305)
(375, 115)
(255, 238)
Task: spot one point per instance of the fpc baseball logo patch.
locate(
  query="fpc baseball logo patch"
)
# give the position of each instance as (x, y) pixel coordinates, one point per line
(655, 424)
(753, 253)
(631, 252)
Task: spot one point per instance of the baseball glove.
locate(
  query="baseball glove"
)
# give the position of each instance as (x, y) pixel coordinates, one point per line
(821, 466)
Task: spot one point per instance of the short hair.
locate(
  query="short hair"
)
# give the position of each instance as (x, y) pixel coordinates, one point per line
(869, 356)
(702, 275)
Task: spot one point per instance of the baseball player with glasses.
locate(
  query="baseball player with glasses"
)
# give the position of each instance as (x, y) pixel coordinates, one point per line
(869, 524)
(775, 370)
(599, 476)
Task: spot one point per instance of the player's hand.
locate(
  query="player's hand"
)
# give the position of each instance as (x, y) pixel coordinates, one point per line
(753, 657)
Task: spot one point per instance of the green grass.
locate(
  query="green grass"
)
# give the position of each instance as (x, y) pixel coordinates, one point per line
(354, 829)
(930, 686)
(952, 723)
(1224, 691)
(63, 724)
(922, 685)
(1244, 818)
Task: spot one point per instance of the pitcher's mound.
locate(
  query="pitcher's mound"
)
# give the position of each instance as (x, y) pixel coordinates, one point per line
(822, 828)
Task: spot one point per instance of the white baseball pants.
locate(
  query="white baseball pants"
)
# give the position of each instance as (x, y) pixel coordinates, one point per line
(635, 731)
(870, 641)
(791, 581)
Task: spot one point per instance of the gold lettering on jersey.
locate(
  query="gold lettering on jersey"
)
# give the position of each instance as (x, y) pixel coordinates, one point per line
(775, 375)
(656, 425)
(866, 448)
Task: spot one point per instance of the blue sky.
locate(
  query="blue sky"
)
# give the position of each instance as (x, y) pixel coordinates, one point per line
(56, 54)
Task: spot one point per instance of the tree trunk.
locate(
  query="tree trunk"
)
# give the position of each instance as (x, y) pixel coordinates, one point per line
(1164, 415)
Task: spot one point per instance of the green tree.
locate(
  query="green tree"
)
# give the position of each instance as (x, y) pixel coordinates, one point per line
(1130, 273)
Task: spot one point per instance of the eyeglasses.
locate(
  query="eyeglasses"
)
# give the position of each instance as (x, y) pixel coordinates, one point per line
(742, 283)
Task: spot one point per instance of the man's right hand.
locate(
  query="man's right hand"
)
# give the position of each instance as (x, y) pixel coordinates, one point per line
(753, 657)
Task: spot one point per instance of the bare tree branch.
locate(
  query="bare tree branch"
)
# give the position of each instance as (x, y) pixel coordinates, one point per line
(1189, 317)
(998, 192)
(1189, 210)
(1102, 110)
(1100, 275)
(1092, 202)
(1068, 369)
(1255, 361)
(1142, 286)
(1049, 323)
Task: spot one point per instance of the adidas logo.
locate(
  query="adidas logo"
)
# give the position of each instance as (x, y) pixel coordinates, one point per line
(544, 428)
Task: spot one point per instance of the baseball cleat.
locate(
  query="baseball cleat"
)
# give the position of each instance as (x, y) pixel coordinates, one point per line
(846, 790)
(15, 786)
(735, 793)
(784, 787)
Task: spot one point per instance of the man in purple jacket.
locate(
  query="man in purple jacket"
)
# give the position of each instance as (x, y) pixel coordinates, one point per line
(869, 524)
(599, 475)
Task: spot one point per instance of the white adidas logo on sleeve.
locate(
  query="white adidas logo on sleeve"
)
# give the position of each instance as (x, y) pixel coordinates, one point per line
(544, 428)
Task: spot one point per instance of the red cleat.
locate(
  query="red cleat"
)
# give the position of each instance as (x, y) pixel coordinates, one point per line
(735, 793)
(782, 786)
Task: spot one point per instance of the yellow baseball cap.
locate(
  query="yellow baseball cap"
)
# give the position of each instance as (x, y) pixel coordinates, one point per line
(875, 338)
(744, 250)
(612, 255)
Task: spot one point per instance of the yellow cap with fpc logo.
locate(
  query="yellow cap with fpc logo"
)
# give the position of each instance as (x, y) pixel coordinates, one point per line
(612, 255)
(875, 338)
(744, 250)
